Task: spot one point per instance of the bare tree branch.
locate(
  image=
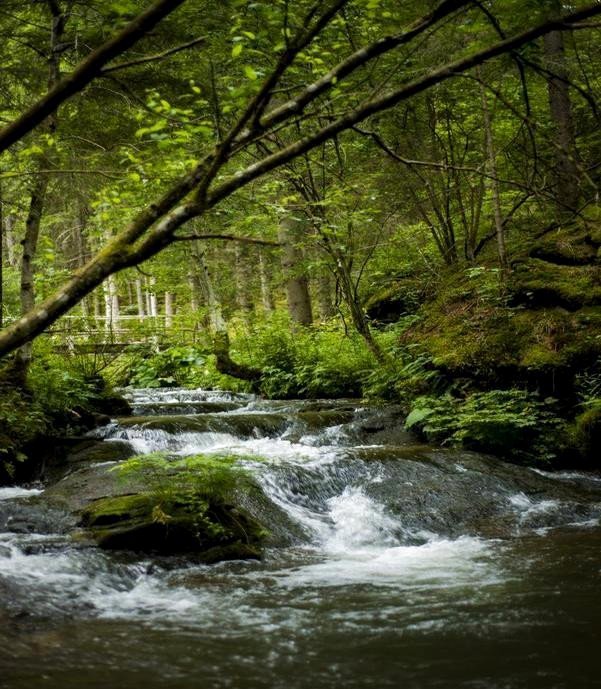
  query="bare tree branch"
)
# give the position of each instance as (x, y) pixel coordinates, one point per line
(433, 164)
(225, 237)
(152, 58)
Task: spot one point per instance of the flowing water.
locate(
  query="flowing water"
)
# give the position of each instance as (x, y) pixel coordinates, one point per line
(392, 565)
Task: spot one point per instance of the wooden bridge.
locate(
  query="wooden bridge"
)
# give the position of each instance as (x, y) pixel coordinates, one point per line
(99, 335)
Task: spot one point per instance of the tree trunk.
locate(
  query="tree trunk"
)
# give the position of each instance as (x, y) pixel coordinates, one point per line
(358, 317)
(169, 310)
(30, 243)
(266, 298)
(153, 310)
(40, 186)
(492, 167)
(96, 303)
(140, 300)
(297, 284)
(243, 280)
(567, 176)
(216, 321)
(11, 243)
(324, 293)
(111, 304)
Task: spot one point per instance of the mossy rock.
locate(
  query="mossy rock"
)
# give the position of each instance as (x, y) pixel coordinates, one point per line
(242, 425)
(470, 331)
(142, 522)
(587, 431)
(401, 297)
(574, 245)
(594, 235)
(537, 283)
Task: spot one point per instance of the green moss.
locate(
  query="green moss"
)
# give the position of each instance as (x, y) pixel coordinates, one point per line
(587, 431)
(595, 235)
(146, 522)
(537, 282)
(398, 298)
(570, 245)
(186, 505)
(473, 329)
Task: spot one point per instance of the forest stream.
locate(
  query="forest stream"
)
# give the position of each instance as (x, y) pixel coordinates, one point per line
(396, 564)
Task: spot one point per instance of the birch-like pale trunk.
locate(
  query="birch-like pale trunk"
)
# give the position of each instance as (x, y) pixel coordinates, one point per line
(266, 297)
(169, 310)
(290, 232)
(140, 300)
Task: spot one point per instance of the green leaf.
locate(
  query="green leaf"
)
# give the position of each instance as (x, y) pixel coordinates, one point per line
(416, 416)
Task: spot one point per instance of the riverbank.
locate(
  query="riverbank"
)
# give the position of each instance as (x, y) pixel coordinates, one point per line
(40, 415)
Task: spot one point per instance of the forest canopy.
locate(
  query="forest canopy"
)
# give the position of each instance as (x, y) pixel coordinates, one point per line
(349, 134)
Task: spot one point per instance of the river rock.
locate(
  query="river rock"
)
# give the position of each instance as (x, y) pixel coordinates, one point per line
(140, 522)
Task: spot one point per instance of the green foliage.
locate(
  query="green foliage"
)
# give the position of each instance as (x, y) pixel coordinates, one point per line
(510, 423)
(20, 422)
(58, 389)
(177, 366)
(57, 398)
(587, 431)
(171, 367)
(306, 362)
(408, 372)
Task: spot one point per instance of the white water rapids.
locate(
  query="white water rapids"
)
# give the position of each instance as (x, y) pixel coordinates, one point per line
(408, 559)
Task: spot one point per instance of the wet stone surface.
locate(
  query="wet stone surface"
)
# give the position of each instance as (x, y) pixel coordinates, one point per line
(389, 563)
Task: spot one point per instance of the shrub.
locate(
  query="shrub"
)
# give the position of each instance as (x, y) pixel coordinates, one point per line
(512, 423)
(305, 362)
(169, 368)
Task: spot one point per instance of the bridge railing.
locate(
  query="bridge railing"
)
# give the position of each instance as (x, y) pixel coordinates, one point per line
(76, 333)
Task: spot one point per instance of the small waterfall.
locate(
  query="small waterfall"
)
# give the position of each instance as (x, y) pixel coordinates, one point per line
(398, 546)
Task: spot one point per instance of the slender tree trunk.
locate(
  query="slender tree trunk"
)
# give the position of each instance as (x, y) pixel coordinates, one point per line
(567, 177)
(216, 321)
(266, 298)
(324, 293)
(492, 167)
(197, 296)
(39, 189)
(30, 243)
(153, 310)
(243, 280)
(140, 300)
(97, 310)
(297, 283)
(111, 304)
(218, 326)
(169, 310)
(11, 243)
(358, 317)
(79, 247)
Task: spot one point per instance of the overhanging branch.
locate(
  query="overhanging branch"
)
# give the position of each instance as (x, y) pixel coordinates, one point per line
(87, 70)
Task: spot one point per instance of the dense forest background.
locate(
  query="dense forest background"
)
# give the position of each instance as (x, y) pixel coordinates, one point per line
(346, 198)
